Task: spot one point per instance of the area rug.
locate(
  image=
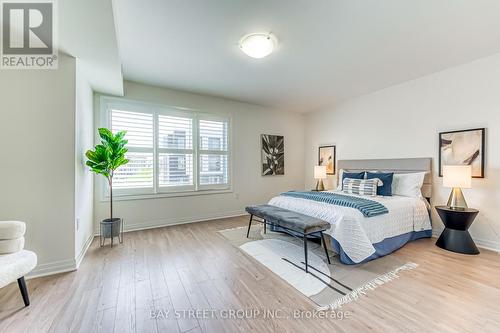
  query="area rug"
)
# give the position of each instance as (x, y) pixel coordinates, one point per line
(329, 286)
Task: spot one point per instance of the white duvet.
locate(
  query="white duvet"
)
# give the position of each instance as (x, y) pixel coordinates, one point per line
(356, 233)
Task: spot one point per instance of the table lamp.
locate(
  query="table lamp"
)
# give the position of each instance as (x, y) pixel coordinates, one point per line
(320, 174)
(457, 177)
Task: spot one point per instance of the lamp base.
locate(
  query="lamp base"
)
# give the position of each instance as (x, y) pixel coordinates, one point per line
(319, 185)
(457, 200)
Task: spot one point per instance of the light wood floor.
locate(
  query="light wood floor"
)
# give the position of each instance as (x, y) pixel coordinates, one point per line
(192, 267)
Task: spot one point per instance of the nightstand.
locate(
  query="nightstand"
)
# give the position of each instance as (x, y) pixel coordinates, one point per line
(455, 236)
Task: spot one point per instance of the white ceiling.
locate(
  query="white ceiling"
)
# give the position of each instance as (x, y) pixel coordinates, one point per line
(329, 50)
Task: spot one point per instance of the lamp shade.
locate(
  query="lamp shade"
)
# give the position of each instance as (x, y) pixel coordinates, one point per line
(457, 176)
(320, 172)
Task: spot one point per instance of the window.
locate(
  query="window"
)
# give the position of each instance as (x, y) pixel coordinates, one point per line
(170, 151)
(213, 152)
(175, 152)
(138, 173)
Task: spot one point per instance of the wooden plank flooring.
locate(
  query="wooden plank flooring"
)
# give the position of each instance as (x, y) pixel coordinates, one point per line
(191, 267)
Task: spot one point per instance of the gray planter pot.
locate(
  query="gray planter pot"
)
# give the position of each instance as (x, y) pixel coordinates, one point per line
(109, 226)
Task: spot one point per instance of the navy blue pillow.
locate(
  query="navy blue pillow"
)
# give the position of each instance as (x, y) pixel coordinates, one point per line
(386, 178)
(353, 175)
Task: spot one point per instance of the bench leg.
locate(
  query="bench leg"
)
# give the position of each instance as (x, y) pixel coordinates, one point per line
(24, 290)
(305, 252)
(249, 225)
(324, 246)
(265, 227)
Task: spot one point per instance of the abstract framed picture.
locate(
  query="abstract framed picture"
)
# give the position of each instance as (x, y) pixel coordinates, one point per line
(326, 157)
(273, 154)
(465, 147)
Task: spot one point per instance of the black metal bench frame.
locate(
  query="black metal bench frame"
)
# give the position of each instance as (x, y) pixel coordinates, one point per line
(303, 236)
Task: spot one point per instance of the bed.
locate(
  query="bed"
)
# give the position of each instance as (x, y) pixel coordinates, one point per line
(357, 238)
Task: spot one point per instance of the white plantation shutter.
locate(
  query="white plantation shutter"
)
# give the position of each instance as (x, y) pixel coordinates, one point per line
(175, 132)
(170, 150)
(175, 170)
(175, 153)
(213, 152)
(138, 173)
(139, 127)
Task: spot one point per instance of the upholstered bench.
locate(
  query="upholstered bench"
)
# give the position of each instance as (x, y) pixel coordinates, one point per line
(304, 225)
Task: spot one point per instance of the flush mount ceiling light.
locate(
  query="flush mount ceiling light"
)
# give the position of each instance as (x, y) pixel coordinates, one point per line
(258, 45)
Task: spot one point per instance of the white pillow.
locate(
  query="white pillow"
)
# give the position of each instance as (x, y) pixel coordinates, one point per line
(408, 184)
(339, 180)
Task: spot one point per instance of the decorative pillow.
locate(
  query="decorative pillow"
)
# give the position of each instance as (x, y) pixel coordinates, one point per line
(386, 178)
(353, 175)
(408, 184)
(361, 186)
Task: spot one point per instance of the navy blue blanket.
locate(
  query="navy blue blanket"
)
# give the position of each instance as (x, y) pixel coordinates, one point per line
(368, 208)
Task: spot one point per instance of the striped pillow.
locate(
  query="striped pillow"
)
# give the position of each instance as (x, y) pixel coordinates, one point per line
(361, 186)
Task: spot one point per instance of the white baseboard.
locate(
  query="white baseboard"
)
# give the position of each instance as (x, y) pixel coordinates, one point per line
(62, 266)
(85, 247)
(51, 268)
(177, 221)
(487, 244)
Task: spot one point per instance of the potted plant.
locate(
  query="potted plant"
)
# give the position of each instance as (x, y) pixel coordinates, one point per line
(104, 160)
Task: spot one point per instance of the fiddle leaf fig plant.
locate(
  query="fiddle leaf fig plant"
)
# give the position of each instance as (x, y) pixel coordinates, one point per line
(107, 157)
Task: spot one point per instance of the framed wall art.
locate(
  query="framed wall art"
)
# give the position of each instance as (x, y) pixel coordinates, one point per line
(326, 157)
(465, 147)
(273, 154)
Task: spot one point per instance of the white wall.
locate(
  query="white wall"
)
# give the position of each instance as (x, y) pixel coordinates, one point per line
(37, 172)
(404, 121)
(248, 123)
(46, 125)
(84, 185)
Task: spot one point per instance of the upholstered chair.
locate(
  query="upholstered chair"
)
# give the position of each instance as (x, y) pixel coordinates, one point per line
(15, 262)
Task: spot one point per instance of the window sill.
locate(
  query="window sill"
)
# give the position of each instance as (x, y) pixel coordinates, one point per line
(166, 195)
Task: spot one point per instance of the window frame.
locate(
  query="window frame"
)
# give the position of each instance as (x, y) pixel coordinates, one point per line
(109, 103)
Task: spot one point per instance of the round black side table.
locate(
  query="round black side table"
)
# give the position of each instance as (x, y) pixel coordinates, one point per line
(455, 236)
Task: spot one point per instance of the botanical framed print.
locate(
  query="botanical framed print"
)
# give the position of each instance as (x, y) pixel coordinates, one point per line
(273, 154)
(465, 147)
(326, 157)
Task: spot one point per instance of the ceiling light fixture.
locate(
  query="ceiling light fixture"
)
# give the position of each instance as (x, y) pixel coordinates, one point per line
(258, 45)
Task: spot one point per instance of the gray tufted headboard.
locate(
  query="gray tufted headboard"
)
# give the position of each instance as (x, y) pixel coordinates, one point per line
(397, 165)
